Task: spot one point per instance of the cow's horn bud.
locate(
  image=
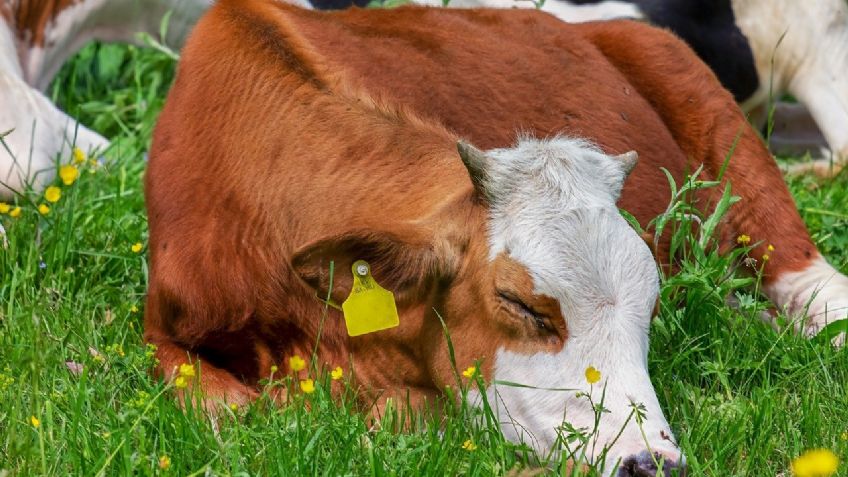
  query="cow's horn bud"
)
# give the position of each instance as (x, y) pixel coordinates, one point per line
(475, 161)
(628, 161)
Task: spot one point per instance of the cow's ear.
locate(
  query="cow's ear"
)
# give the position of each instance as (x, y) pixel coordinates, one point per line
(408, 264)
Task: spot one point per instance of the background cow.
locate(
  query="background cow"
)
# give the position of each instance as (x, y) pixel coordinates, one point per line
(36, 38)
(519, 248)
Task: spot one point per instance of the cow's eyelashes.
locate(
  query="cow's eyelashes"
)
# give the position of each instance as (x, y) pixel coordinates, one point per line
(522, 309)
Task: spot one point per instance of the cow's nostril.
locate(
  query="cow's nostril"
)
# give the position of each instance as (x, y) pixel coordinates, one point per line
(646, 465)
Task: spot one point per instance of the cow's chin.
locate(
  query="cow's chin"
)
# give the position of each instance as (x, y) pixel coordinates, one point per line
(553, 401)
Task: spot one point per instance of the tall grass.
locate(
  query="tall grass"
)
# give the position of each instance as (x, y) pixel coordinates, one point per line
(742, 398)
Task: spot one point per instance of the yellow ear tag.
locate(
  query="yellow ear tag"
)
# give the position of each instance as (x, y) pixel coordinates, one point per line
(369, 307)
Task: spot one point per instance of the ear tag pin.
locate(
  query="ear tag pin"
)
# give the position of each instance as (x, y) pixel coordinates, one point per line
(369, 307)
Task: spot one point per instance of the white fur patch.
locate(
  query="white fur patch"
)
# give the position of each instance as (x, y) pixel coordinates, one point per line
(814, 297)
(809, 61)
(553, 210)
(565, 11)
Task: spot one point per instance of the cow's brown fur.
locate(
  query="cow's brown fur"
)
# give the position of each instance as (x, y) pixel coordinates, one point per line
(272, 156)
(30, 18)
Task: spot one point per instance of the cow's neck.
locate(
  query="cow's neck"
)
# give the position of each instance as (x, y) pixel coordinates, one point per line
(48, 31)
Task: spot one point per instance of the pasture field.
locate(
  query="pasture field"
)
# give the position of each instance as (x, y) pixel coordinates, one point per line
(76, 396)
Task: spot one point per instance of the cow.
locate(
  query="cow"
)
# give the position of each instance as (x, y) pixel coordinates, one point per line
(439, 146)
(36, 38)
(761, 50)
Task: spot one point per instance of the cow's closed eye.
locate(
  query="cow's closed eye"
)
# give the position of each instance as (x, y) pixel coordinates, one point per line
(518, 307)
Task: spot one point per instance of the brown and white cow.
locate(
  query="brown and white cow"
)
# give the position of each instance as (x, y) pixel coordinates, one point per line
(282, 148)
(36, 38)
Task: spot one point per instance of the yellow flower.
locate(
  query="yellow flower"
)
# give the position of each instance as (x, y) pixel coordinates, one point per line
(743, 239)
(15, 213)
(296, 363)
(307, 386)
(136, 247)
(79, 156)
(164, 462)
(766, 257)
(469, 372)
(469, 445)
(234, 407)
(187, 370)
(43, 209)
(815, 463)
(68, 173)
(337, 373)
(133, 309)
(35, 422)
(592, 375)
(274, 368)
(180, 382)
(770, 248)
(53, 194)
(4, 208)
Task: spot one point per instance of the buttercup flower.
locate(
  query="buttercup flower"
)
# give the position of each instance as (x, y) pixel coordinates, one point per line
(743, 239)
(4, 208)
(337, 373)
(15, 213)
(68, 173)
(766, 257)
(43, 209)
(469, 372)
(770, 248)
(592, 375)
(187, 370)
(234, 407)
(469, 445)
(136, 247)
(53, 194)
(79, 156)
(307, 386)
(296, 363)
(35, 422)
(815, 463)
(133, 309)
(180, 382)
(164, 462)
(274, 368)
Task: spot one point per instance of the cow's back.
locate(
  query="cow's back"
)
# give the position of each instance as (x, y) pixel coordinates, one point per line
(517, 71)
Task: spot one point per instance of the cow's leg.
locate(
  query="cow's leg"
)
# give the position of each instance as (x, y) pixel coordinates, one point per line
(707, 124)
(37, 132)
(216, 387)
(826, 97)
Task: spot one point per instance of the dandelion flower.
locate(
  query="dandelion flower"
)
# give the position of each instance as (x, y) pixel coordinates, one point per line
(274, 368)
(15, 213)
(164, 462)
(815, 463)
(187, 370)
(53, 194)
(69, 174)
(592, 375)
(79, 156)
(307, 386)
(337, 373)
(136, 247)
(43, 209)
(296, 363)
(180, 382)
(470, 372)
(469, 445)
(743, 239)
(35, 422)
(4, 208)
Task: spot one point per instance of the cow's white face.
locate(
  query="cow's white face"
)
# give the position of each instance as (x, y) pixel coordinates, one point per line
(552, 210)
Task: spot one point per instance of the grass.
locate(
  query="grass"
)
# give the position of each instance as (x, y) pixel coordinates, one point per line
(743, 399)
